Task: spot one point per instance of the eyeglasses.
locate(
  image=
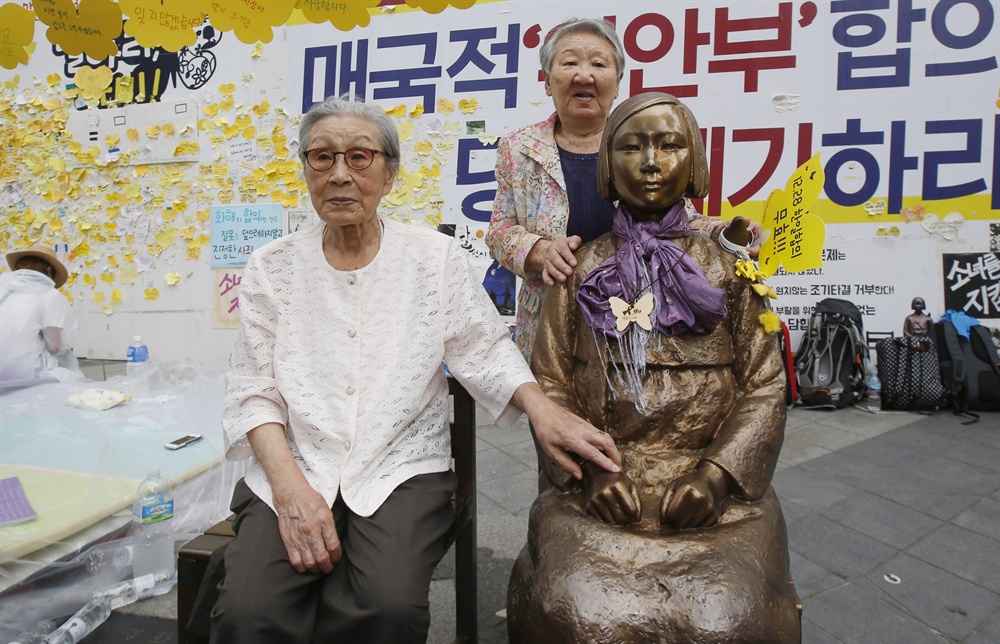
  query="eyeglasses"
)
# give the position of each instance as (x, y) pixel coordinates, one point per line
(321, 159)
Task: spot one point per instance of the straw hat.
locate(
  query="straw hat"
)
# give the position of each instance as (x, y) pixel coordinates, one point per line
(43, 253)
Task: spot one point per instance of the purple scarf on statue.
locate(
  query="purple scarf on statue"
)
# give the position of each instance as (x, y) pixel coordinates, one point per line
(685, 299)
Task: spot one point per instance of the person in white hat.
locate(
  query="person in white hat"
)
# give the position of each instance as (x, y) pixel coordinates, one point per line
(37, 326)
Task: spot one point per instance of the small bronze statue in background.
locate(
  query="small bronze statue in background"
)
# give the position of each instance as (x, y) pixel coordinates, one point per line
(658, 341)
(918, 322)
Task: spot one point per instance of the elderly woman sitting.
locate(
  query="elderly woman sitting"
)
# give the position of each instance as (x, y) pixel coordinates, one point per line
(656, 340)
(337, 393)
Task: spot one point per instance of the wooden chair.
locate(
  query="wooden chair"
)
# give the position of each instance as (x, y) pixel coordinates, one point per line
(192, 559)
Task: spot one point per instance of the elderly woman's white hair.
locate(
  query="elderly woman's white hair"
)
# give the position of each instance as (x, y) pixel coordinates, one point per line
(350, 105)
(601, 28)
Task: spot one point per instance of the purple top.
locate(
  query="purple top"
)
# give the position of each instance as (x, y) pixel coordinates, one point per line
(685, 299)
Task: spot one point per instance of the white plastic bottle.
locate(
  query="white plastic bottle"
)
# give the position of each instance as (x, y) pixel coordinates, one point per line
(153, 532)
(132, 590)
(137, 367)
(874, 393)
(81, 624)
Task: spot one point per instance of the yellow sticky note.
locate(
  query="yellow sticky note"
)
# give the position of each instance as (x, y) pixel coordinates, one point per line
(192, 252)
(468, 106)
(128, 274)
(399, 111)
(116, 295)
(445, 106)
(258, 49)
(108, 278)
(152, 131)
(422, 148)
(172, 278)
(262, 108)
(227, 89)
(166, 237)
(151, 293)
(405, 130)
(113, 261)
(797, 236)
(97, 296)
(92, 83)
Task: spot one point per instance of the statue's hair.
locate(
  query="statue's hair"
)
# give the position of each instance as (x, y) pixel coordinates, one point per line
(698, 181)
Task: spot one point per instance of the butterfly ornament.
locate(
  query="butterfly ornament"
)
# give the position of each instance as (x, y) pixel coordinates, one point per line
(638, 312)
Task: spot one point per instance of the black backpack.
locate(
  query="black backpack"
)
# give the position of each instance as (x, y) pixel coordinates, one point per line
(969, 368)
(830, 362)
(910, 373)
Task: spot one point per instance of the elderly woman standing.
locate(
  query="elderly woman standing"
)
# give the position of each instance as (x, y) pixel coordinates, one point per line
(337, 393)
(547, 203)
(657, 339)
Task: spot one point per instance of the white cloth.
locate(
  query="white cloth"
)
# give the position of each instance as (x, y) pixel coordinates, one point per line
(350, 361)
(29, 302)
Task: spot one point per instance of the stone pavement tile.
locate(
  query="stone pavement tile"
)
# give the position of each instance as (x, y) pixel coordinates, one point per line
(851, 614)
(885, 454)
(930, 497)
(798, 417)
(500, 437)
(523, 451)
(847, 469)
(925, 437)
(487, 507)
(863, 423)
(842, 551)
(962, 552)
(889, 522)
(983, 518)
(975, 453)
(811, 634)
(960, 475)
(505, 535)
(827, 437)
(941, 600)
(809, 489)
(793, 512)
(514, 492)
(810, 579)
(987, 633)
(493, 463)
(796, 450)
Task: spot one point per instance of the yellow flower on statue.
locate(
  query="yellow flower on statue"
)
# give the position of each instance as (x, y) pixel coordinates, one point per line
(748, 269)
(770, 321)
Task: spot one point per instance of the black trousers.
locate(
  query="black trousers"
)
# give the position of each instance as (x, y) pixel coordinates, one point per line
(378, 592)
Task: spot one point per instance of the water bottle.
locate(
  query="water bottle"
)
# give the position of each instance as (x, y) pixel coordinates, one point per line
(137, 367)
(874, 393)
(132, 590)
(153, 532)
(36, 634)
(81, 624)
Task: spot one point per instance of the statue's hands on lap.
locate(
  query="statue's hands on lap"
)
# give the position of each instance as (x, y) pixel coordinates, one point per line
(694, 500)
(611, 496)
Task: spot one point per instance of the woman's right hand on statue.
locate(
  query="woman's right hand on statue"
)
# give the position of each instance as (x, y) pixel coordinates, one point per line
(553, 259)
(611, 497)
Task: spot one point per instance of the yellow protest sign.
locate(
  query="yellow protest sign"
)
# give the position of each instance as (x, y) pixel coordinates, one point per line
(249, 20)
(154, 23)
(797, 236)
(19, 30)
(344, 15)
(90, 28)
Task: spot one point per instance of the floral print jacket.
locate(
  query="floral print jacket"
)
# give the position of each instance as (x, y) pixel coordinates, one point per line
(531, 204)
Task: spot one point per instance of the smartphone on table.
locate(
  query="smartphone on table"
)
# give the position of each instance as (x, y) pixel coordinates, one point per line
(183, 441)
